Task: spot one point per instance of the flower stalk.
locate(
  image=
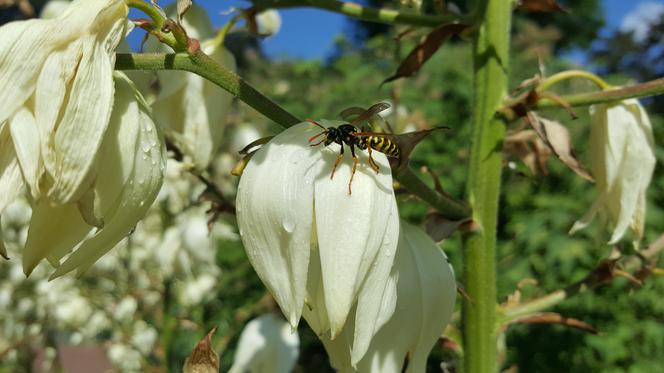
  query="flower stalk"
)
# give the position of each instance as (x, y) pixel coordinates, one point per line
(491, 61)
(364, 13)
(570, 74)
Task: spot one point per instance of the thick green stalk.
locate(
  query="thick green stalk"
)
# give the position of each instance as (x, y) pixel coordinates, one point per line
(490, 66)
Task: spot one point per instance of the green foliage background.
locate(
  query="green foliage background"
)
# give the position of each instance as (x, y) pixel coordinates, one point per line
(536, 211)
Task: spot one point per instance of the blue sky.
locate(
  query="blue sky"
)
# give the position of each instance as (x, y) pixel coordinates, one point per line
(310, 33)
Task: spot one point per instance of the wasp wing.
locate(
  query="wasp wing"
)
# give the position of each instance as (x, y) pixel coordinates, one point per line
(370, 112)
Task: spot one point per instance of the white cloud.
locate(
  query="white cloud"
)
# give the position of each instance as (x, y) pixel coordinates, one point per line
(641, 19)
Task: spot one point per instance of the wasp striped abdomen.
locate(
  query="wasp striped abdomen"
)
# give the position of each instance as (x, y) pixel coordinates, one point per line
(382, 144)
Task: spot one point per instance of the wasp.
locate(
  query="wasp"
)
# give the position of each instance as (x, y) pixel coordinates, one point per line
(350, 135)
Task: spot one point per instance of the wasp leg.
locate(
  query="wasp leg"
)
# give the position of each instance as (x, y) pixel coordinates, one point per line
(352, 174)
(336, 163)
(372, 163)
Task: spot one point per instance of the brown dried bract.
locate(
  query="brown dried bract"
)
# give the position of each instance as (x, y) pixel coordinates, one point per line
(425, 49)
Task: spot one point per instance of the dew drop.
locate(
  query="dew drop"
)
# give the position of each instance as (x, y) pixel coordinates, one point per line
(289, 226)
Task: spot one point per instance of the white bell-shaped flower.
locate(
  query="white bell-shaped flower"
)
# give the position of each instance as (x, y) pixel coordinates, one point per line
(132, 159)
(57, 94)
(309, 240)
(191, 108)
(425, 297)
(268, 22)
(622, 152)
(267, 345)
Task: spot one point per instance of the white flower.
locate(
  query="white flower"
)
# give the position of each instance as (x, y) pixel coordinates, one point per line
(425, 296)
(268, 22)
(57, 95)
(88, 155)
(308, 239)
(125, 358)
(622, 163)
(267, 345)
(130, 164)
(190, 107)
(193, 292)
(143, 338)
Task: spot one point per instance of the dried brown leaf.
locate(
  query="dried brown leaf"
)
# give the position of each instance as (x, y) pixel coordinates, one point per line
(203, 359)
(406, 143)
(544, 6)
(439, 228)
(250, 147)
(530, 149)
(555, 318)
(425, 49)
(556, 136)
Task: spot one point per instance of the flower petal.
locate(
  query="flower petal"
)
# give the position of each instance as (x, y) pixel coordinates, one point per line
(275, 212)
(266, 341)
(25, 135)
(53, 232)
(132, 180)
(24, 46)
(349, 245)
(426, 292)
(11, 181)
(53, 86)
(378, 296)
(84, 122)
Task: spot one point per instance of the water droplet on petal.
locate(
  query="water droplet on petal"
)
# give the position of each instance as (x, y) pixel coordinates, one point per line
(289, 226)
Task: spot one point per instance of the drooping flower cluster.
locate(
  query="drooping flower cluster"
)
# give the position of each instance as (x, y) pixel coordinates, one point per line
(171, 245)
(623, 160)
(79, 138)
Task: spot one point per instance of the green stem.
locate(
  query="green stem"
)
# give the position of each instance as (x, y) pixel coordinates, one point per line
(199, 63)
(490, 64)
(651, 88)
(149, 10)
(388, 16)
(569, 74)
(175, 38)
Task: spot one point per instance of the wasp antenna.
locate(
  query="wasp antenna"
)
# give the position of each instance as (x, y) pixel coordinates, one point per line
(315, 123)
(314, 137)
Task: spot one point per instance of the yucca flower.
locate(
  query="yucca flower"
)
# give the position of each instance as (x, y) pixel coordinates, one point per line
(313, 245)
(132, 159)
(425, 296)
(57, 94)
(267, 345)
(623, 160)
(79, 137)
(190, 108)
